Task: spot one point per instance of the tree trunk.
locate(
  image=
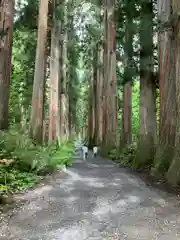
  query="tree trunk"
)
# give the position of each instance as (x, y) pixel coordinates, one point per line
(54, 110)
(165, 149)
(127, 89)
(6, 39)
(99, 94)
(71, 71)
(47, 83)
(173, 174)
(147, 132)
(95, 96)
(110, 101)
(90, 131)
(105, 79)
(64, 81)
(37, 112)
(127, 116)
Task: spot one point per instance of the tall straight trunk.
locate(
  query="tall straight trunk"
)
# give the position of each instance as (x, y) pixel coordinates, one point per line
(64, 82)
(147, 132)
(110, 88)
(70, 125)
(54, 110)
(90, 129)
(126, 138)
(173, 174)
(64, 92)
(99, 85)
(99, 94)
(93, 109)
(37, 111)
(127, 116)
(95, 96)
(167, 48)
(6, 29)
(61, 81)
(112, 85)
(105, 79)
(71, 71)
(47, 76)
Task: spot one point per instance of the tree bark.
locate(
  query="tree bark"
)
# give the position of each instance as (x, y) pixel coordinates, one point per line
(127, 116)
(6, 40)
(147, 132)
(173, 174)
(95, 96)
(110, 91)
(99, 93)
(90, 129)
(37, 111)
(126, 138)
(64, 79)
(71, 72)
(54, 105)
(167, 87)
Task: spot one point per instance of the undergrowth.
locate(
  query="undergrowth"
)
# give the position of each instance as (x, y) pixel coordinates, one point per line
(125, 157)
(23, 164)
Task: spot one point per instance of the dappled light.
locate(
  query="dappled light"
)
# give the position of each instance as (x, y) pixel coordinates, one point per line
(83, 203)
(89, 119)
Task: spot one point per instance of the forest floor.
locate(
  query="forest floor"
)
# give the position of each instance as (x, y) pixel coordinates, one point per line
(93, 200)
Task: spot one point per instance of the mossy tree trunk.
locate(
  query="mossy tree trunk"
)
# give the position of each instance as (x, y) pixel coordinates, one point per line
(167, 85)
(126, 138)
(99, 92)
(147, 131)
(173, 174)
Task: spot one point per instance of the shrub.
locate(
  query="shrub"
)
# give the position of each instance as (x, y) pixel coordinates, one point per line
(126, 156)
(22, 162)
(114, 155)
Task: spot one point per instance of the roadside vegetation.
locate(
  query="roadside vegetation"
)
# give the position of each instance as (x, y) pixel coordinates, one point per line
(24, 164)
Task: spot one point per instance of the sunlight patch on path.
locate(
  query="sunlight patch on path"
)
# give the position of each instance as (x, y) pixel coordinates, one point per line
(90, 181)
(95, 200)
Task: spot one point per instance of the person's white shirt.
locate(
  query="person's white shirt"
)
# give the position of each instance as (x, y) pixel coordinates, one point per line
(85, 152)
(95, 150)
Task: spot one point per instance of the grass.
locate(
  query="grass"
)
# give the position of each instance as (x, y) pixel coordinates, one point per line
(23, 164)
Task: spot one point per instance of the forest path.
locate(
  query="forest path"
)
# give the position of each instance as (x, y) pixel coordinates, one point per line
(94, 200)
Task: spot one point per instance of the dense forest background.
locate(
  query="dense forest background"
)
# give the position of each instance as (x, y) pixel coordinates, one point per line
(104, 71)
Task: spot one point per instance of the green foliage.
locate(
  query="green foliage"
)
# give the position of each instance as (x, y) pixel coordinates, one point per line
(14, 180)
(24, 46)
(114, 155)
(27, 161)
(162, 159)
(26, 13)
(126, 156)
(63, 156)
(135, 109)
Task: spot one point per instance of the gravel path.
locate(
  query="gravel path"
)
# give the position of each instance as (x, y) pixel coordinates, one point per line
(94, 200)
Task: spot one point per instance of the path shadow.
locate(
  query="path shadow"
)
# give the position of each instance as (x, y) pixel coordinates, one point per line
(94, 199)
